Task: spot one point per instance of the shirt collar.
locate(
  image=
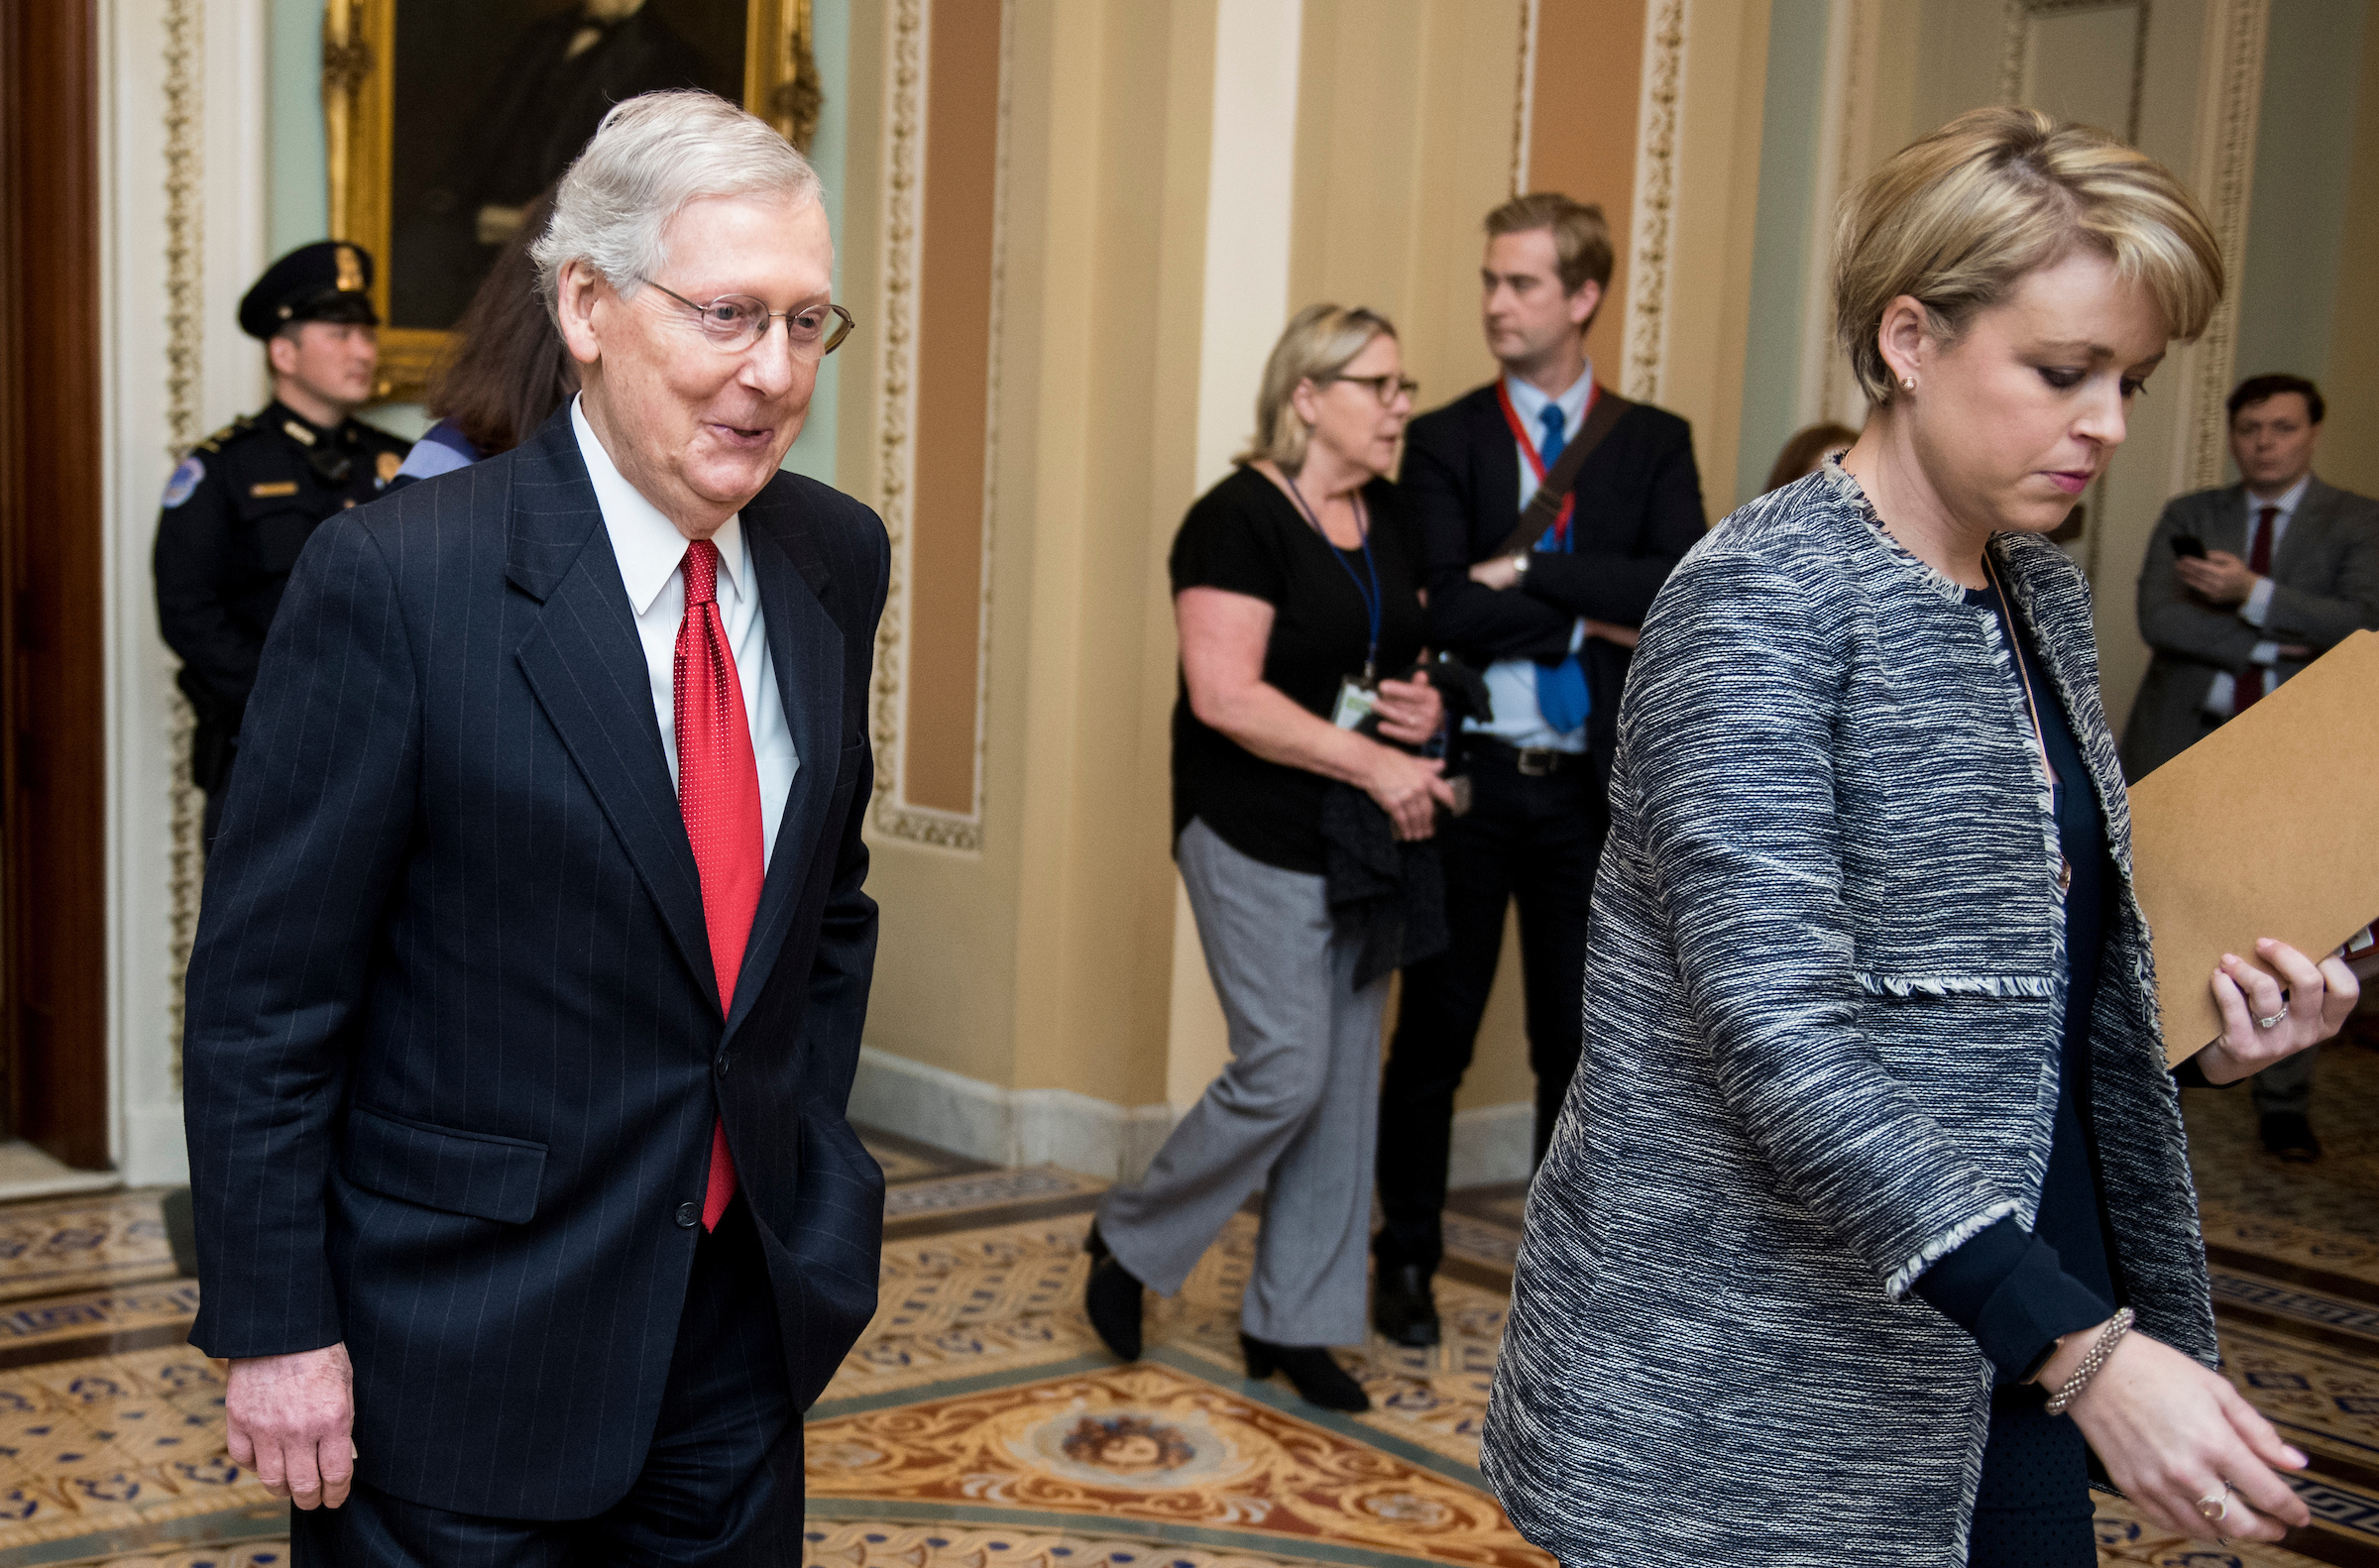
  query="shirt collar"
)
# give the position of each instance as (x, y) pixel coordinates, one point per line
(2288, 501)
(1529, 402)
(646, 543)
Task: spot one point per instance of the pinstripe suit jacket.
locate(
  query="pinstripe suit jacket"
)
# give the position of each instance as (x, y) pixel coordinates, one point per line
(1824, 999)
(454, 1045)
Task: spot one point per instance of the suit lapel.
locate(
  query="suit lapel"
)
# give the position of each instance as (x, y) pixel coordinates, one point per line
(585, 663)
(2304, 530)
(806, 648)
(1498, 475)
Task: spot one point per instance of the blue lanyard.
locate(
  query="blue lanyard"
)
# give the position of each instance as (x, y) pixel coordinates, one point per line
(1374, 601)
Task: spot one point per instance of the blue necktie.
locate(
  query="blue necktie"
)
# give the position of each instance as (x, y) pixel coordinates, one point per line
(1561, 692)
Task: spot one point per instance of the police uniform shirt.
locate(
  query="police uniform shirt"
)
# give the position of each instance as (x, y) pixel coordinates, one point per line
(236, 513)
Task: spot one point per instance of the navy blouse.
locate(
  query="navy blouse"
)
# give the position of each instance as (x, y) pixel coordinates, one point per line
(2017, 1290)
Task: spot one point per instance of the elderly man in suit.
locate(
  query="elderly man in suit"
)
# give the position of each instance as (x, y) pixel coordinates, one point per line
(528, 987)
(1551, 622)
(2240, 587)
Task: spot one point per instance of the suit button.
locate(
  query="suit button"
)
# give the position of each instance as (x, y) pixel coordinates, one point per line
(689, 1215)
(723, 1064)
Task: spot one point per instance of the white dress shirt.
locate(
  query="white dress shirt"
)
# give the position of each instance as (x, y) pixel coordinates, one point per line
(1512, 683)
(651, 552)
(2222, 696)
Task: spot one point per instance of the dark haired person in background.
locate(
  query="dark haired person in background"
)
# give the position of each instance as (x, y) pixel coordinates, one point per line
(244, 502)
(507, 370)
(2242, 587)
(1807, 452)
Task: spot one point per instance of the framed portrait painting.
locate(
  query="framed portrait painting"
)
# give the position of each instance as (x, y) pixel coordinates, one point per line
(446, 118)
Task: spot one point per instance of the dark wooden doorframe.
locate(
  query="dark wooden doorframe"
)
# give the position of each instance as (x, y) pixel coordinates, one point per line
(53, 655)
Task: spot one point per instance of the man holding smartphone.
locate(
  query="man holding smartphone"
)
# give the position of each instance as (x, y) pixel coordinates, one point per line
(2242, 587)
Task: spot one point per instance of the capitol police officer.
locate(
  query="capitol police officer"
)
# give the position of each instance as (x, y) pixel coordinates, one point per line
(246, 500)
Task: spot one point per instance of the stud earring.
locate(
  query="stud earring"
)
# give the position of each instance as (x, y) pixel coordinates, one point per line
(1909, 382)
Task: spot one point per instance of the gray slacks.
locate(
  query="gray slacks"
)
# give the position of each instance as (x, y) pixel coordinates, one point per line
(1295, 1113)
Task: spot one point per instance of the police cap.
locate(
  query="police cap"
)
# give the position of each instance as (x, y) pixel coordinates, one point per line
(328, 280)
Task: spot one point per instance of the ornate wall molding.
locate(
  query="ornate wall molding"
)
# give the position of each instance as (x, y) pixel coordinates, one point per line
(2230, 99)
(185, 297)
(1655, 199)
(891, 813)
(2015, 49)
(1524, 96)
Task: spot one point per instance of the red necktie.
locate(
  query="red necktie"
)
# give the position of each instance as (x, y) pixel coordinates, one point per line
(2249, 687)
(719, 795)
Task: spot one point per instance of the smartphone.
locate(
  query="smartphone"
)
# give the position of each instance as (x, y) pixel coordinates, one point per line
(2189, 545)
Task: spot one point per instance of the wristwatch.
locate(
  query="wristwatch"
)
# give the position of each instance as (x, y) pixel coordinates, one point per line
(1520, 563)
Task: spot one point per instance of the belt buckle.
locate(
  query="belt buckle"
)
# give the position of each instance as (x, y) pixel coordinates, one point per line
(1538, 762)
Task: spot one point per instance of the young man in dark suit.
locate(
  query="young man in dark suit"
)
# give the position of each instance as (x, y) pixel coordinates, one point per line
(1551, 620)
(529, 989)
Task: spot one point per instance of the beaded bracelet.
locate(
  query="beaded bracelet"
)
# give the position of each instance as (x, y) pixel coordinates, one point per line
(2109, 1337)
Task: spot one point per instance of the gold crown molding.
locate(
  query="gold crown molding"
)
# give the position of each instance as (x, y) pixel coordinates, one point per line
(1655, 201)
(890, 812)
(1524, 96)
(185, 29)
(2237, 29)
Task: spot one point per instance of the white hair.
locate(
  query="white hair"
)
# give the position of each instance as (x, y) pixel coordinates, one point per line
(652, 156)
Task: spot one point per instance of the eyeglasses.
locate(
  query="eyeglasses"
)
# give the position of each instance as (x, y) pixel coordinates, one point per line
(736, 322)
(1387, 388)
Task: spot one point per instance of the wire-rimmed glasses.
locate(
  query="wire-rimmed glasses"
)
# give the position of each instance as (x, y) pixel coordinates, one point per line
(736, 322)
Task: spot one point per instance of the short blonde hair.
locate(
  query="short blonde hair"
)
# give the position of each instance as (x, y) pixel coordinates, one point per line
(1957, 218)
(1581, 235)
(1320, 341)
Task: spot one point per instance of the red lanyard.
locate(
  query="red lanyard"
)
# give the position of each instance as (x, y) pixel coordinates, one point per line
(1520, 433)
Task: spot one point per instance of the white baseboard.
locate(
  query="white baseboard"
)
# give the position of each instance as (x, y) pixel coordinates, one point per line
(1009, 1127)
(1493, 1144)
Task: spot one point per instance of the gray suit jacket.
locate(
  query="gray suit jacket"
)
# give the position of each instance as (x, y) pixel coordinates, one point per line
(2326, 583)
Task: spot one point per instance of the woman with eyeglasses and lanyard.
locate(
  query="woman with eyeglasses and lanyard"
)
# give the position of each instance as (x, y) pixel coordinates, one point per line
(1295, 594)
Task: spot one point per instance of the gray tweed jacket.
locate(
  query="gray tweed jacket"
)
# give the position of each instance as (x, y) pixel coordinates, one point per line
(1824, 990)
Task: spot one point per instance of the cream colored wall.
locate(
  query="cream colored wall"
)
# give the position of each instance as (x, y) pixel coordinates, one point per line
(2350, 439)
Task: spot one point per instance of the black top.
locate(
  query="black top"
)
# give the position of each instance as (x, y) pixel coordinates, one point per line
(236, 513)
(2017, 1292)
(1638, 511)
(1245, 537)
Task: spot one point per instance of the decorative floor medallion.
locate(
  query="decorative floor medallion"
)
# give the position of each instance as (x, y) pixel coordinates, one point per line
(1147, 1442)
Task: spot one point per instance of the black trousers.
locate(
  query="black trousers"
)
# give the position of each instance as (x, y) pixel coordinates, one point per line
(722, 1483)
(1534, 839)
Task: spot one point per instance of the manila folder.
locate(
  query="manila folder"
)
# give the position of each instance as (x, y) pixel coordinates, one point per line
(2267, 828)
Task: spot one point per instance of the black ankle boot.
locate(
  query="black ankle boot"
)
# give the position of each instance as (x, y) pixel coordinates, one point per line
(1319, 1378)
(1112, 1298)
(1403, 1308)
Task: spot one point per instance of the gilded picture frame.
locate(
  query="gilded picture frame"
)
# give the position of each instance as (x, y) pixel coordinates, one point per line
(370, 154)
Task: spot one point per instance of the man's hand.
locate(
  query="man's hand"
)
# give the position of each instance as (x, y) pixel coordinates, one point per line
(292, 1420)
(2221, 577)
(1499, 572)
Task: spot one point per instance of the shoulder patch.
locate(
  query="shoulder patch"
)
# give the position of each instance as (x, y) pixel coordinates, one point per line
(184, 481)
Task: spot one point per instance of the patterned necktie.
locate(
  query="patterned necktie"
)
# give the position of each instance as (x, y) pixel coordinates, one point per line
(719, 795)
(2249, 688)
(1562, 695)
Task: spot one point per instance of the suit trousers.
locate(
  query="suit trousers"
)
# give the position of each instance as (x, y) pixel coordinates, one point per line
(1534, 839)
(2287, 1085)
(1292, 1112)
(722, 1483)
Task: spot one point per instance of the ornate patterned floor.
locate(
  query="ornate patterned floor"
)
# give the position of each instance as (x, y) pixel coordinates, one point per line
(979, 1422)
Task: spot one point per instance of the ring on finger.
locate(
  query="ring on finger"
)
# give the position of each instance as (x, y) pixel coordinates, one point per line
(2276, 1019)
(2214, 1506)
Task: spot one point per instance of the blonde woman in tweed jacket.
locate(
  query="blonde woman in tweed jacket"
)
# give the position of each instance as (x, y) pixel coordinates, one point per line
(1874, 1150)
